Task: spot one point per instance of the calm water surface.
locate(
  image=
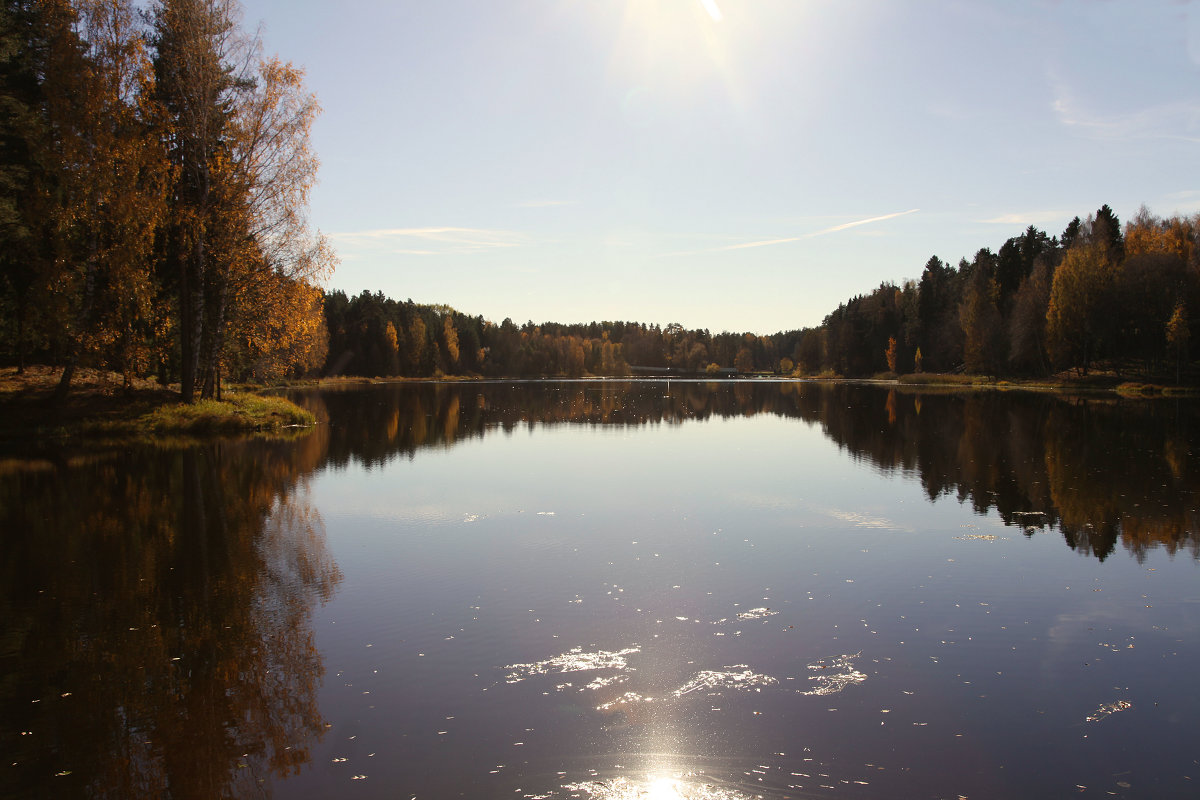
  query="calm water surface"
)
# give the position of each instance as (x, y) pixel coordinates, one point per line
(614, 590)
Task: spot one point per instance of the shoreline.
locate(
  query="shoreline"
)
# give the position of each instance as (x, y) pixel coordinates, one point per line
(1097, 384)
(100, 408)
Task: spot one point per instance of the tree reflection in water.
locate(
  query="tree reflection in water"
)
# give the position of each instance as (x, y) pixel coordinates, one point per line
(156, 634)
(1101, 470)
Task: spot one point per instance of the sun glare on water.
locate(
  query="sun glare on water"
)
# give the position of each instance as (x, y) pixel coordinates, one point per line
(654, 787)
(663, 788)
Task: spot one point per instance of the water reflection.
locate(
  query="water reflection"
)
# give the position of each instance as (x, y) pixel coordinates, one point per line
(156, 614)
(157, 607)
(1101, 471)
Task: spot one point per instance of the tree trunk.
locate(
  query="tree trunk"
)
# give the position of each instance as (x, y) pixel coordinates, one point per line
(213, 340)
(21, 333)
(191, 296)
(85, 316)
(189, 322)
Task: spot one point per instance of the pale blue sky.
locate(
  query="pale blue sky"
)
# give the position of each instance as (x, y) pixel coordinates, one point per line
(579, 160)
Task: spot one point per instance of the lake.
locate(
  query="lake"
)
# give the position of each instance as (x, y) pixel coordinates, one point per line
(610, 590)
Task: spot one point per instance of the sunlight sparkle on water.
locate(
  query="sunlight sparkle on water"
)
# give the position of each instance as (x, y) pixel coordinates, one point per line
(654, 787)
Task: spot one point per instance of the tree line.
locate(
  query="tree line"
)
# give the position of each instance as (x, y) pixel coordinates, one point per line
(1099, 293)
(155, 169)
(372, 335)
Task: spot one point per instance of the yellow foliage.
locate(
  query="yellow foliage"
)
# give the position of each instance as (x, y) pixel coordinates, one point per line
(1175, 236)
(1079, 300)
(451, 338)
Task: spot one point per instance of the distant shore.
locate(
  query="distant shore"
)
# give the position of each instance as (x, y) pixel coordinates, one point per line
(100, 406)
(1100, 382)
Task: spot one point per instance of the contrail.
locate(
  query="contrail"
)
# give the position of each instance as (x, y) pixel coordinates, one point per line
(834, 229)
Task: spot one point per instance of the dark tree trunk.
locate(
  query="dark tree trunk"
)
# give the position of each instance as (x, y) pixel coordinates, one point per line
(85, 316)
(214, 341)
(191, 296)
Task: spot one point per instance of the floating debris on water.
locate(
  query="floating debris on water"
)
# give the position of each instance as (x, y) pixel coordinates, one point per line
(1109, 709)
(981, 537)
(601, 683)
(864, 520)
(574, 660)
(627, 699)
(834, 675)
(757, 613)
(742, 680)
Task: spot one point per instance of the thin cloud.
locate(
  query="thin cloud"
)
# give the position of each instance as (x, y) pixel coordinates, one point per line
(1174, 121)
(834, 229)
(432, 241)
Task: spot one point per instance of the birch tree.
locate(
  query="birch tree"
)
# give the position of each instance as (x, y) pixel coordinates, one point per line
(202, 64)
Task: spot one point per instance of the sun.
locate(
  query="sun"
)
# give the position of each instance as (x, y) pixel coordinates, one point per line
(671, 46)
(711, 7)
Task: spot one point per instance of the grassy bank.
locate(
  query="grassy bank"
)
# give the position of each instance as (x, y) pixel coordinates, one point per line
(100, 406)
(238, 412)
(1099, 382)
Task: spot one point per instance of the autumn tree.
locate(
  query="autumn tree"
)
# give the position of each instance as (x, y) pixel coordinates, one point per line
(143, 199)
(1154, 280)
(260, 235)
(245, 169)
(22, 132)
(102, 187)
(417, 345)
(1177, 337)
(981, 326)
(202, 65)
(744, 361)
(449, 351)
(1027, 323)
(1081, 300)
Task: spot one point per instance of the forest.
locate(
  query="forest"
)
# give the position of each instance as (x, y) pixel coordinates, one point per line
(155, 171)
(1097, 296)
